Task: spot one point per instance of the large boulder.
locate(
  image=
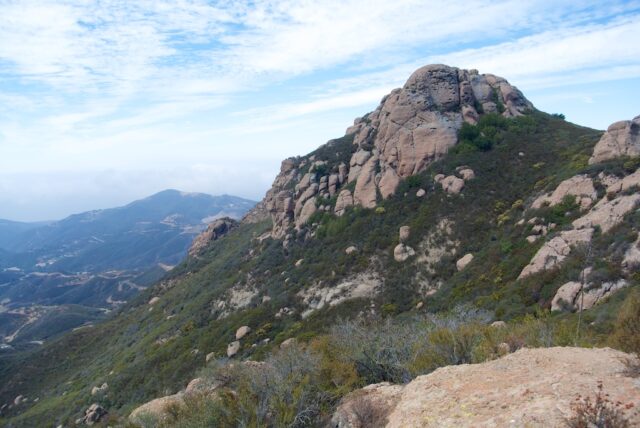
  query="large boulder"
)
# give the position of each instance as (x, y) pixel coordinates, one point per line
(531, 387)
(452, 184)
(464, 261)
(157, 409)
(621, 139)
(242, 332)
(233, 348)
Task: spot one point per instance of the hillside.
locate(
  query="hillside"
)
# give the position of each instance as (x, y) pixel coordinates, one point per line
(98, 259)
(454, 193)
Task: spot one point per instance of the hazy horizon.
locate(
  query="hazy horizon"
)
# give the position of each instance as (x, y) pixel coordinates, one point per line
(105, 103)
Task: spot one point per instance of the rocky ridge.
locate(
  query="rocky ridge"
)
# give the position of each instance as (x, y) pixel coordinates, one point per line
(412, 127)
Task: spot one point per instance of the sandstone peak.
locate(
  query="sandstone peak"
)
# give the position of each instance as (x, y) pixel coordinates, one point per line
(412, 127)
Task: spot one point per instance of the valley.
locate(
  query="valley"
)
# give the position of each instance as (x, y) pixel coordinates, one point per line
(58, 276)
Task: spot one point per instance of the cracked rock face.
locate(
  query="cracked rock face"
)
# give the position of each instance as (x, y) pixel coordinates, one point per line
(556, 250)
(621, 139)
(412, 127)
(580, 186)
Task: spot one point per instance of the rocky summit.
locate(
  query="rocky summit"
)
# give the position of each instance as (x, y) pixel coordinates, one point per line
(457, 258)
(412, 127)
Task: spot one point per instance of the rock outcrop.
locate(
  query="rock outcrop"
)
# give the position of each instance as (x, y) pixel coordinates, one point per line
(412, 127)
(94, 414)
(216, 230)
(531, 387)
(608, 213)
(621, 139)
(569, 296)
(580, 186)
(556, 250)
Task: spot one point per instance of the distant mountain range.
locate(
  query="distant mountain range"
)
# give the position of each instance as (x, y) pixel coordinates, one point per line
(157, 229)
(98, 259)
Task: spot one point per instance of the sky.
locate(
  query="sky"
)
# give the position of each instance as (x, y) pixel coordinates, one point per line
(104, 102)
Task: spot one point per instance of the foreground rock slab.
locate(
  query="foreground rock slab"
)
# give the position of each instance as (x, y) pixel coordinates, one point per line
(529, 388)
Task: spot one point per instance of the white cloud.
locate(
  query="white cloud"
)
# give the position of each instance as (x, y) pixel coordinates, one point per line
(108, 84)
(594, 52)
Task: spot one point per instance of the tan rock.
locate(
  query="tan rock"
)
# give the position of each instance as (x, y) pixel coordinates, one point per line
(365, 193)
(452, 184)
(621, 139)
(438, 178)
(556, 250)
(467, 174)
(210, 356)
(288, 342)
(580, 186)
(464, 261)
(242, 332)
(608, 213)
(194, 385)
(307, 211)
(420, 193)
(405, 232)
(530, 387)
(402, 252)
(499, 324)
(94, 414)
(351, 250)
(100, 389)
(344, 200)
(156, 409)
(154, 300)
(532, 238)
(233, 348)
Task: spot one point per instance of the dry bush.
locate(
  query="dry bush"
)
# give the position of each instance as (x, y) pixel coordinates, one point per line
(599, 412)
(368, 414)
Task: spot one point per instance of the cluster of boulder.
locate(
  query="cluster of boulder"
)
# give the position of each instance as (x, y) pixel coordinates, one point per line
(412, 127)
(621, 139)
(453, 184)
(234, 347)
